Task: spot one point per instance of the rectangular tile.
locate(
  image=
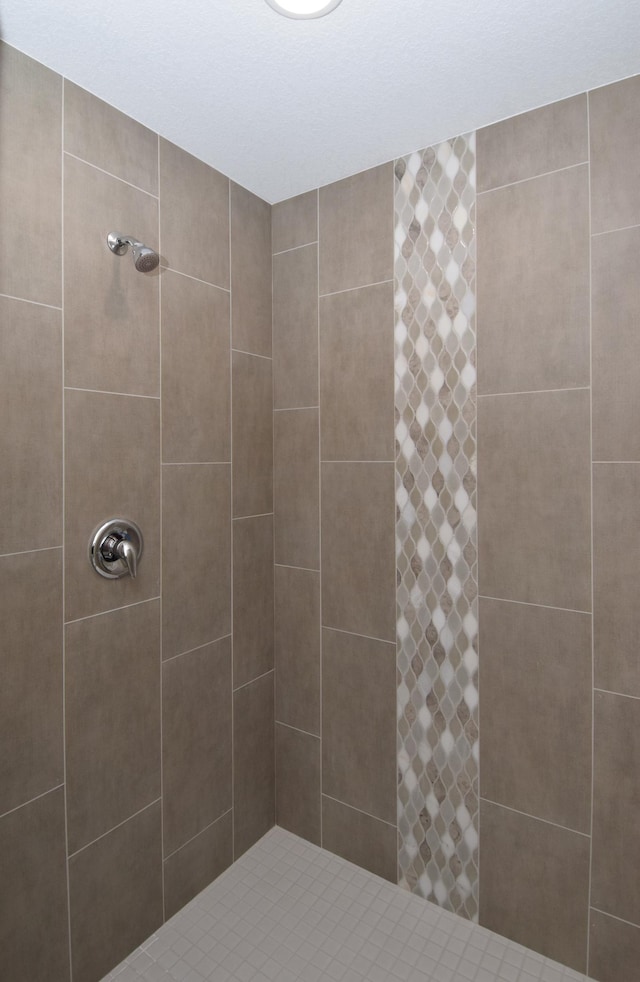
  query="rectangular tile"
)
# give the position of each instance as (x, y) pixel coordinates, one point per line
(197, 864)
(534, 282)
(196, 741)
(252, 435)
(194, 227)
(297, 644)
(614, 948)
(535, 676)
(252, 598)
(534, 886)
(30, 185)
(533, 143)
(616, 347)
(253, 763)
(294, 222)
(614, 130)
(196, 384)
(196, 555)
(356, 230)
(359, 723)
(298, 783)
(359, 838)
(31, 433)
(538, 446)
(104, 136)
(295, 328)
(250, 271)
(112, 700)
(616, 801)
(112, 454)
(356, 374)
(115, 883)
(296, 488)
(358, 548)
(110, 309)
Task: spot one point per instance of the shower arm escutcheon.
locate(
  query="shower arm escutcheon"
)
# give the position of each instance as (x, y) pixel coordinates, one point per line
(115, 548)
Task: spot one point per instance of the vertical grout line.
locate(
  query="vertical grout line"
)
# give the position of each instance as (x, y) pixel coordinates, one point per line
(273, 536)
(395, 521)
(319, 503)
(472, 135)
(164, 905)
(588, 952)
(231, 533)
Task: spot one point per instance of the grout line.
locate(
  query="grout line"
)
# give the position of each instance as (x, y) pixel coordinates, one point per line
(614, 917)
(179, 272)
(231, 539)
(535, 177)
(30, 801)
(107, 392)
(36, 303)
(533, 392)
(525, 603)
(350, 289)
(611, 692)
(353, 634)
(305, 245)
(306, 569)
(118, 826)
(193, 463)
(112, 610)
(245, 518)
(256, 679)
(611, 231)
(615, 461)
(252, 354)
(273, 532)
(109, 174)
(161, 545)
(591, 546)
(358, 462)
(198, 647)
(320, 618)
(26, 552)
(360, 810)
(535, 818)
(279, 722)
(294, 409)
(476, 505)
(395, 220)
(201, 832)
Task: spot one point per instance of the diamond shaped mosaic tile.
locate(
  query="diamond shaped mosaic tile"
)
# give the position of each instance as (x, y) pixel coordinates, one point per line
(435, 403)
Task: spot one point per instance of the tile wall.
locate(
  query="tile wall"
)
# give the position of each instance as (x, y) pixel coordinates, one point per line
(136, 717)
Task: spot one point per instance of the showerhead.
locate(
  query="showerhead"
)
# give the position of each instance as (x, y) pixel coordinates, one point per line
(144, 258)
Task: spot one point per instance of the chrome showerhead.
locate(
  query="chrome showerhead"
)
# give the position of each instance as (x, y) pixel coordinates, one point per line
(144, 258)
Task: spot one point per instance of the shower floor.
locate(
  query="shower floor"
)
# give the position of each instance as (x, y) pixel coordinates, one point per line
(288, 911)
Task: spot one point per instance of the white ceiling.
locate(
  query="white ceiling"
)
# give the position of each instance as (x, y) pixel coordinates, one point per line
(285, 105)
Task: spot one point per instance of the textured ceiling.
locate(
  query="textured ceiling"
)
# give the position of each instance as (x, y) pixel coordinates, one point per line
(284, 105)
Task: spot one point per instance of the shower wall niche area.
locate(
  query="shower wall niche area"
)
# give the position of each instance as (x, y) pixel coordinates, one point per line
(136, 725)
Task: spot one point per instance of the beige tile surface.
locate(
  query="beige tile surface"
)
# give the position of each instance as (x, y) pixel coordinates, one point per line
(253, 763)
(252, 435)
(196, 560)
(194, 229)
(534, 495)
(250, 271)
(533, 292)
(358, 548)
(112, 719)
(31, 432)
(534, 886)
(356, 230)
(252, 598)
(298, 783)
(112, 449)
(30, 181)
(296, 488)
(614, 948)
(614, 130)
(294, 222)
(110, 309)
(196, 741)
(295, 328)
(356, 374)
(100, 134)
(196, 390)
(297, 644)
(362, 840)
(198, 863)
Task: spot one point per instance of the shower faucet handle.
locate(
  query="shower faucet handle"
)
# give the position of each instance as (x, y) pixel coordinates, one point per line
(115, 549)
(128, 554)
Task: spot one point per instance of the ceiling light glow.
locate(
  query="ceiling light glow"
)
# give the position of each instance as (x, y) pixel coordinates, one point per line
(304, 9)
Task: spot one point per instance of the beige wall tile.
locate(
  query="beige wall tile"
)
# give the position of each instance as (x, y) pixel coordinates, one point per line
(110, 309)
(196, 741)
(31, 432)
(112, 450)
(356, 374)
(196, 555)
(616, 346)
(295, 328)
(533, 143)
(34, 934)
(614, 949)
(296, 488)
(362, 840)
(30, 181)
(359, 723)
(297, 644)
(533, 292)
(194, 227)
(197, 864)
(616, 802)
(535, 677)
(534, 494)
(298, 783)
(196, 390)
(614, 130)
(252, 435)
(100, 134)
(112, 700)
(356, 230)
(294, 222)
(116, 883)
(534, 886)
(250, 271)
(252, 598)
(253, 759)
(358, 549)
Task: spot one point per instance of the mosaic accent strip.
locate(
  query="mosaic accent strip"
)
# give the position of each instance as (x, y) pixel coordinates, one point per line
(435, 401)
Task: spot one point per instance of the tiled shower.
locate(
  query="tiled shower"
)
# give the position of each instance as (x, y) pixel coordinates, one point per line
(436, 570)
